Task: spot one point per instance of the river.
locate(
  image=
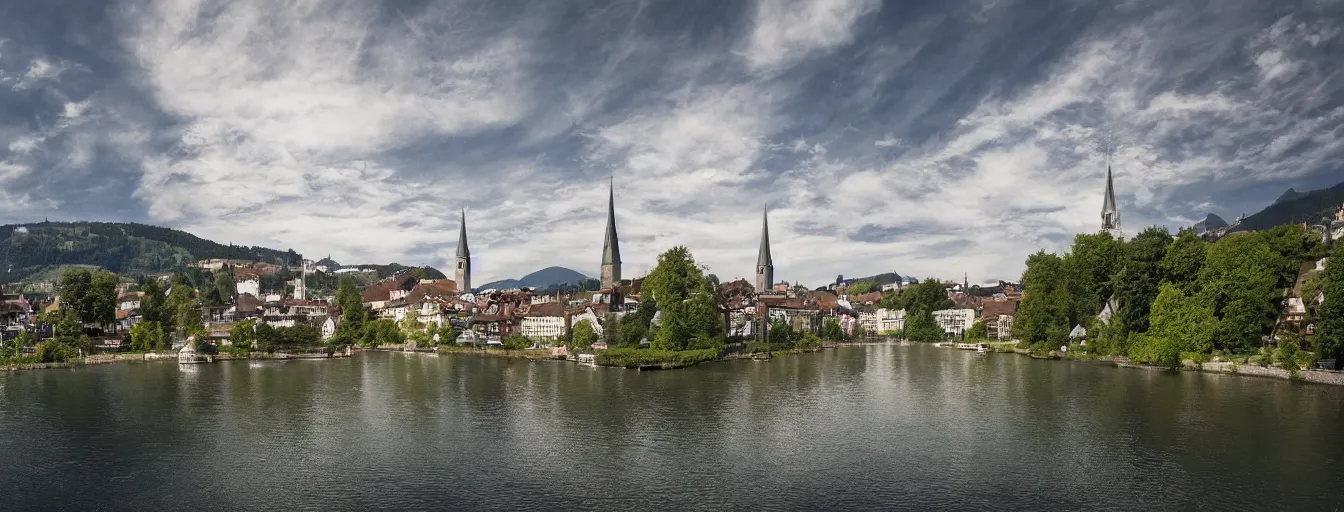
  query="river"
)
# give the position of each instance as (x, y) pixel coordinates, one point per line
(874, 427)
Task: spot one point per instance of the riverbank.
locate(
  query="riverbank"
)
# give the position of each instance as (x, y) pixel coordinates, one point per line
(500, 352)
(165, 357)
(1332, 378)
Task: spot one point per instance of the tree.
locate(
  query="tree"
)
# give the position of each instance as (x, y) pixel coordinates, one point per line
(147, 337)
(152, 304)
(353, 314)
(225, 287)
(1180, 266)
(1238, 284)
(583, 336)
(978, 331)
(380, 332)
(687, 301)
(447, 334)
(920, 326)
(1136, 284)
(181, 304)
(1177, 323)
(75, 286)
(1330, 315)
(1088, 268)
(634, 327)
(243, 334)
(1045, 300)
(831, 330)
(861, 288)
(516, 341)
(91, 295)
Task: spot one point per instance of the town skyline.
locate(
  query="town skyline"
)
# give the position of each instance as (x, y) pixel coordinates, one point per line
(880, 142)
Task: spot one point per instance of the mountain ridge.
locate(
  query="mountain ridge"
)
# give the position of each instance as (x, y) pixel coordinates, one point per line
(549, 277)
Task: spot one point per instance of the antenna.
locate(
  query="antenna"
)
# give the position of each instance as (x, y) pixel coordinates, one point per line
(1109, 146)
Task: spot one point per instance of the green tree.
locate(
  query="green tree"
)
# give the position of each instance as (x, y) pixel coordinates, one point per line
(1184, 257)
(687, 301)
(1238, 284)
(1330, 315)
(920, 326)
(1045, 300)
(181, 304)
(634, 327)
(516, 341)
(861, 288)
(243, 335)
(381, 332)
(1088, 268)
(353, 314)
(782, 333)
(152, 304)
(978, 331)
(447, 334)
(92, 295)
(75, 287)
(1136, 284)
(582, 336)
(147, 337)
(225, 286)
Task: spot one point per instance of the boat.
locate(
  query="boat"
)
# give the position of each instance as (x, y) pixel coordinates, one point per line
(762, 356)
(587, 359)
(984, 347)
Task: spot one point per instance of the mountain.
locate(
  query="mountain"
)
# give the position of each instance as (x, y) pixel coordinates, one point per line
(548, 277)
(28, 250)
(1301, 206)
(1290, 195)
(1209, 223)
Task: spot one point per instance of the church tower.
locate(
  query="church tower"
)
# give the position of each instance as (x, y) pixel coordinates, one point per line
(1110, 215)
(765, 267)
(462, 272)
(611, 251)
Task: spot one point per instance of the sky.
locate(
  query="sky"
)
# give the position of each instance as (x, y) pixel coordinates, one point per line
(937, 138)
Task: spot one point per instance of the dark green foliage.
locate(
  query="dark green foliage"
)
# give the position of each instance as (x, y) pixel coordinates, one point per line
(447, 334)
(920, 326)
(1046, 301)
(353, 314)
(978, 331)
(243, 334)
(686, 298)
(862, 287)
(148, 336)
(831, 331)
(269, 338)
(634, 327)
(92, 295)
(516, 342)
(380, 332)
(1184, 258)
(582, 336)
(666, 359)
(1088, 268)
(1238, 283)
(120, 247)
(1136, 283)
(1330, 315)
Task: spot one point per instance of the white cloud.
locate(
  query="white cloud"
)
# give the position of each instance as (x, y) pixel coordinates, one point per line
(788, 30)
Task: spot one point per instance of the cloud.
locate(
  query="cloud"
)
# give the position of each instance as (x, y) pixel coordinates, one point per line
(927, 140)
(786, 31)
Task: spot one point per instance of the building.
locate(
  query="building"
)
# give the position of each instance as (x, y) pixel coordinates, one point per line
(954, 322)
(250, 286)
(1110, 214)
(329, 327)
(765, 266)
(611, 250)
(543, 322)
(462, 270)
(998, 318)
(880, 320)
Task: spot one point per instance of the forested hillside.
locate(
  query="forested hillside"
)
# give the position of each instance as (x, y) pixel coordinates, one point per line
(124, 248)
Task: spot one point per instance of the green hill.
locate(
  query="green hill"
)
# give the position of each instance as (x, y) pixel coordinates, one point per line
(124, 248)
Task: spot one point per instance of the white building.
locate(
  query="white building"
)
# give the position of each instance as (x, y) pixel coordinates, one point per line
(329, 328)
(252, 286)
(587, 316)
(542, 327)
(954, 322)
(881, 320)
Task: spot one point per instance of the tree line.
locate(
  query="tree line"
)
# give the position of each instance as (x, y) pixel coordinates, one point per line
(1167, 296)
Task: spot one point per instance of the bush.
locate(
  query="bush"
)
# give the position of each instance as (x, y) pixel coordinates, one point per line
(516, 342)
(666, 359)
(51, 351)
(1287, 355)
(1155, 350)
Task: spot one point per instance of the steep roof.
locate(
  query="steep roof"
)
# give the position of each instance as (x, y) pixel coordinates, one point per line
(1109, 213)
(763, 254)
(382, 290)
(462, 250)
(546, 309)
(611, 251)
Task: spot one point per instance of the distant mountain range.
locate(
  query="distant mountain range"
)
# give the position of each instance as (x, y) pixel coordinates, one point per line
(35, 249)
(1211, 222)
(546, 278)
(1293, 207)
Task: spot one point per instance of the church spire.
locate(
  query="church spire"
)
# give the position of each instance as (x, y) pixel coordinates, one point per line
(611, 251)
(462, 272)
(1110, 215)
(462, 250)
(765, 266)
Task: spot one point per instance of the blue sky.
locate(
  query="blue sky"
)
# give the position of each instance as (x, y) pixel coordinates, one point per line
(925, 138)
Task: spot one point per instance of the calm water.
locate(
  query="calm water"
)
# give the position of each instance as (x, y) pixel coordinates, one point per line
(879, 427)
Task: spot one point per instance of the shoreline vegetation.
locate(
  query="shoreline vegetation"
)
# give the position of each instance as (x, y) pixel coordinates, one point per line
(647, 359)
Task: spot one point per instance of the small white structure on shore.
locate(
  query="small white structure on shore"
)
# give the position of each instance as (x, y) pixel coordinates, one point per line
(188, 355)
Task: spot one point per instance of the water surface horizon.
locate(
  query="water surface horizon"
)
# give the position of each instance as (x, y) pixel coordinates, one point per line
(871, 427)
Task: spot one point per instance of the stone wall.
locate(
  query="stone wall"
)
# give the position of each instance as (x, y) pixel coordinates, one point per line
(1318, 376)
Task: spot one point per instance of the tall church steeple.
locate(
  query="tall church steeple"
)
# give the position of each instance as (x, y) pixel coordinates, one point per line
(1110, 215)
(765, 267)
(462, 274)
(611, 251)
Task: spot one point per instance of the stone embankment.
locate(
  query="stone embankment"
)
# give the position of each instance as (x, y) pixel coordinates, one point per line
(1317, 376)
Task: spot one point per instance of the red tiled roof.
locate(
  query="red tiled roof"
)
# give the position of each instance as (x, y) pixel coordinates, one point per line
(381, 290)
(994, 309)
(547, 309)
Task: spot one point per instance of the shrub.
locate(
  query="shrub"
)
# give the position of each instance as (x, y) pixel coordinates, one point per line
(667, 359)
(51, 351)
(516, 342)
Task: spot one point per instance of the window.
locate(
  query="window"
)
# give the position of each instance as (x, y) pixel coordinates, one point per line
(460, 265)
